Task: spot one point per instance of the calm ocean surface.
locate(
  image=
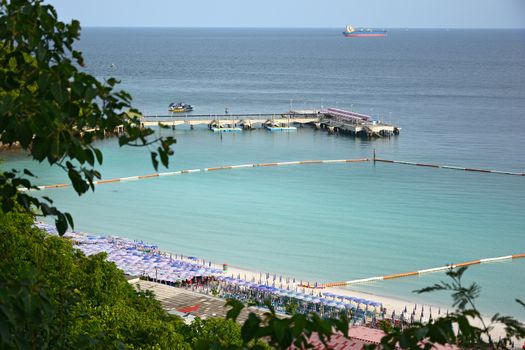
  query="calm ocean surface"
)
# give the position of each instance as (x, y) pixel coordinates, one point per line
(459, 96)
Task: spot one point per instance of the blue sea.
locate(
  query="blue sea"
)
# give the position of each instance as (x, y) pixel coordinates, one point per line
(459, 96)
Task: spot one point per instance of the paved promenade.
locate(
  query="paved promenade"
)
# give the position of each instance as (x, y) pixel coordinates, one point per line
(183, 300)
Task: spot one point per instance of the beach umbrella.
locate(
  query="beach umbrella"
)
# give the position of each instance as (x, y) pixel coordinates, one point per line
(291, 293)
(302, 296)
(340, 305)
(281, 292)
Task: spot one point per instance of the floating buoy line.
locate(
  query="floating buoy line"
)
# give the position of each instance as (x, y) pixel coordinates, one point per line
(299, 162)
(421, 272)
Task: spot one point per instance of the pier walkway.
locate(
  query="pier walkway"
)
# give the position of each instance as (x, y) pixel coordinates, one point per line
(332, 119)
(247, 120)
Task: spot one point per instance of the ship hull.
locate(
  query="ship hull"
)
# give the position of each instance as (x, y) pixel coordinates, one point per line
(351, 32)
(363, 34)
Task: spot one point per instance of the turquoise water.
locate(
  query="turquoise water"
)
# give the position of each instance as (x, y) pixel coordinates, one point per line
(320, 222)
(458, 96)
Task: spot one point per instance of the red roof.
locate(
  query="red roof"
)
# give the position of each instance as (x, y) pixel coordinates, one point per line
(359, 337)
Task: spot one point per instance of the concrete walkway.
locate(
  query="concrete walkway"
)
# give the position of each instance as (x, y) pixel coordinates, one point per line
(203, 306)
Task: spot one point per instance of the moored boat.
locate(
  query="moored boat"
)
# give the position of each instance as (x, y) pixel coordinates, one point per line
(281, 128)
(226, 129)
(362, 32)
(180, 107)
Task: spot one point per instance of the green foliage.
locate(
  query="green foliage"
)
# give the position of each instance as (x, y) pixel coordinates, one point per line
(457, 328)
(53, 110)
(283, 332)
(291, 307)
(214, 332)
(52, 296)
(26, 313)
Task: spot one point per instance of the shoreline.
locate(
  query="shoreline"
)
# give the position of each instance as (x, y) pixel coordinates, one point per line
(390, 303)
(389, 307)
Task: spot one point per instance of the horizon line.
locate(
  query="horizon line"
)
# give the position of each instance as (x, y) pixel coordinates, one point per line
(240, 27)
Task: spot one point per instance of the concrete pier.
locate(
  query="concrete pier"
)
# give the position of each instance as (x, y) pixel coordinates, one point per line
(333, 120)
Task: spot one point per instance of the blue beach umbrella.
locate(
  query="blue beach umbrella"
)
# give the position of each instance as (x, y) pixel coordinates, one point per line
(340, 305)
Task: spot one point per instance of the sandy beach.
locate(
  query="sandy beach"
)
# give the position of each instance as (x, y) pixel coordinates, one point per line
(396, 305)
(391, 304)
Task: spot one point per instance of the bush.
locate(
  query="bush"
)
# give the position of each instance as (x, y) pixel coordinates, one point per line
(52, 296)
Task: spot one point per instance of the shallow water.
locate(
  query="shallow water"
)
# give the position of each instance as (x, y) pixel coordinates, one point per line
(458, 95)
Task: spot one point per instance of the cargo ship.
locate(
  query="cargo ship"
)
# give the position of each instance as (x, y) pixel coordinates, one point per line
(362, 32)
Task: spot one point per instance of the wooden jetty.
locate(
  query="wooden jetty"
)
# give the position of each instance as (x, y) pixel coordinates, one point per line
(331, 119)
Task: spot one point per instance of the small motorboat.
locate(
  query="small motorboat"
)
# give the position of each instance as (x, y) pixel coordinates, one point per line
(180, 107)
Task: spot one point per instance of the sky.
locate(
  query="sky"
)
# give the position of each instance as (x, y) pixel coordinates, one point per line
(295, 13)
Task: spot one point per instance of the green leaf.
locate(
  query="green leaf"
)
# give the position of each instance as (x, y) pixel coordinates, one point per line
(154, 160)
(61, 224)
(236, 307)
(163, 157)
(90, 158)
(28, 173)
(69, 219)
(249, 328)
(99, 156)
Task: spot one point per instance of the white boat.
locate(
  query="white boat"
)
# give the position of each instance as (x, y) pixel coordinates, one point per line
(226, 129)
(282, 128)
